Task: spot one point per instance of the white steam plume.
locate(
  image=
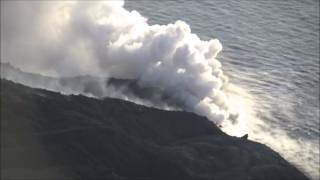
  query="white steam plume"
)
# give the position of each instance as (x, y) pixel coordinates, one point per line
(104, 39)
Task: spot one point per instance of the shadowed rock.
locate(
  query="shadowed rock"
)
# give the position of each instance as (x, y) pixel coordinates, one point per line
(49, 135)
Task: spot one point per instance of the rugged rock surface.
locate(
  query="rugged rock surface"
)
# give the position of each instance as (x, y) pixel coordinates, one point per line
(46, 135)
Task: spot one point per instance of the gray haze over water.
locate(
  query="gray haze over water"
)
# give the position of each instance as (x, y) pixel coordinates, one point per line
(271, 49)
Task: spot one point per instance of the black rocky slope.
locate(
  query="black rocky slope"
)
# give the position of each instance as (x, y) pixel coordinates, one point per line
(46, 135)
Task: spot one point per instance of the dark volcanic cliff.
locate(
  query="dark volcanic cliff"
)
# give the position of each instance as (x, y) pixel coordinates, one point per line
(46, 135)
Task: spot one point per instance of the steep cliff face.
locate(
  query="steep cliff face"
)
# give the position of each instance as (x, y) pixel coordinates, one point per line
(49, 135)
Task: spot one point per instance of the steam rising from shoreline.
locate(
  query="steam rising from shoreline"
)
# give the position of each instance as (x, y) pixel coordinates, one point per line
(104, 39)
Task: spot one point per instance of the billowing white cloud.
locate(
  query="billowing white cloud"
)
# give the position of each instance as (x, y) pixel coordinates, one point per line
(101, 38)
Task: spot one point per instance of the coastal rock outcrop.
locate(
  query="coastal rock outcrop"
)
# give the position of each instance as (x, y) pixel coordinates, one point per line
(45, 134)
